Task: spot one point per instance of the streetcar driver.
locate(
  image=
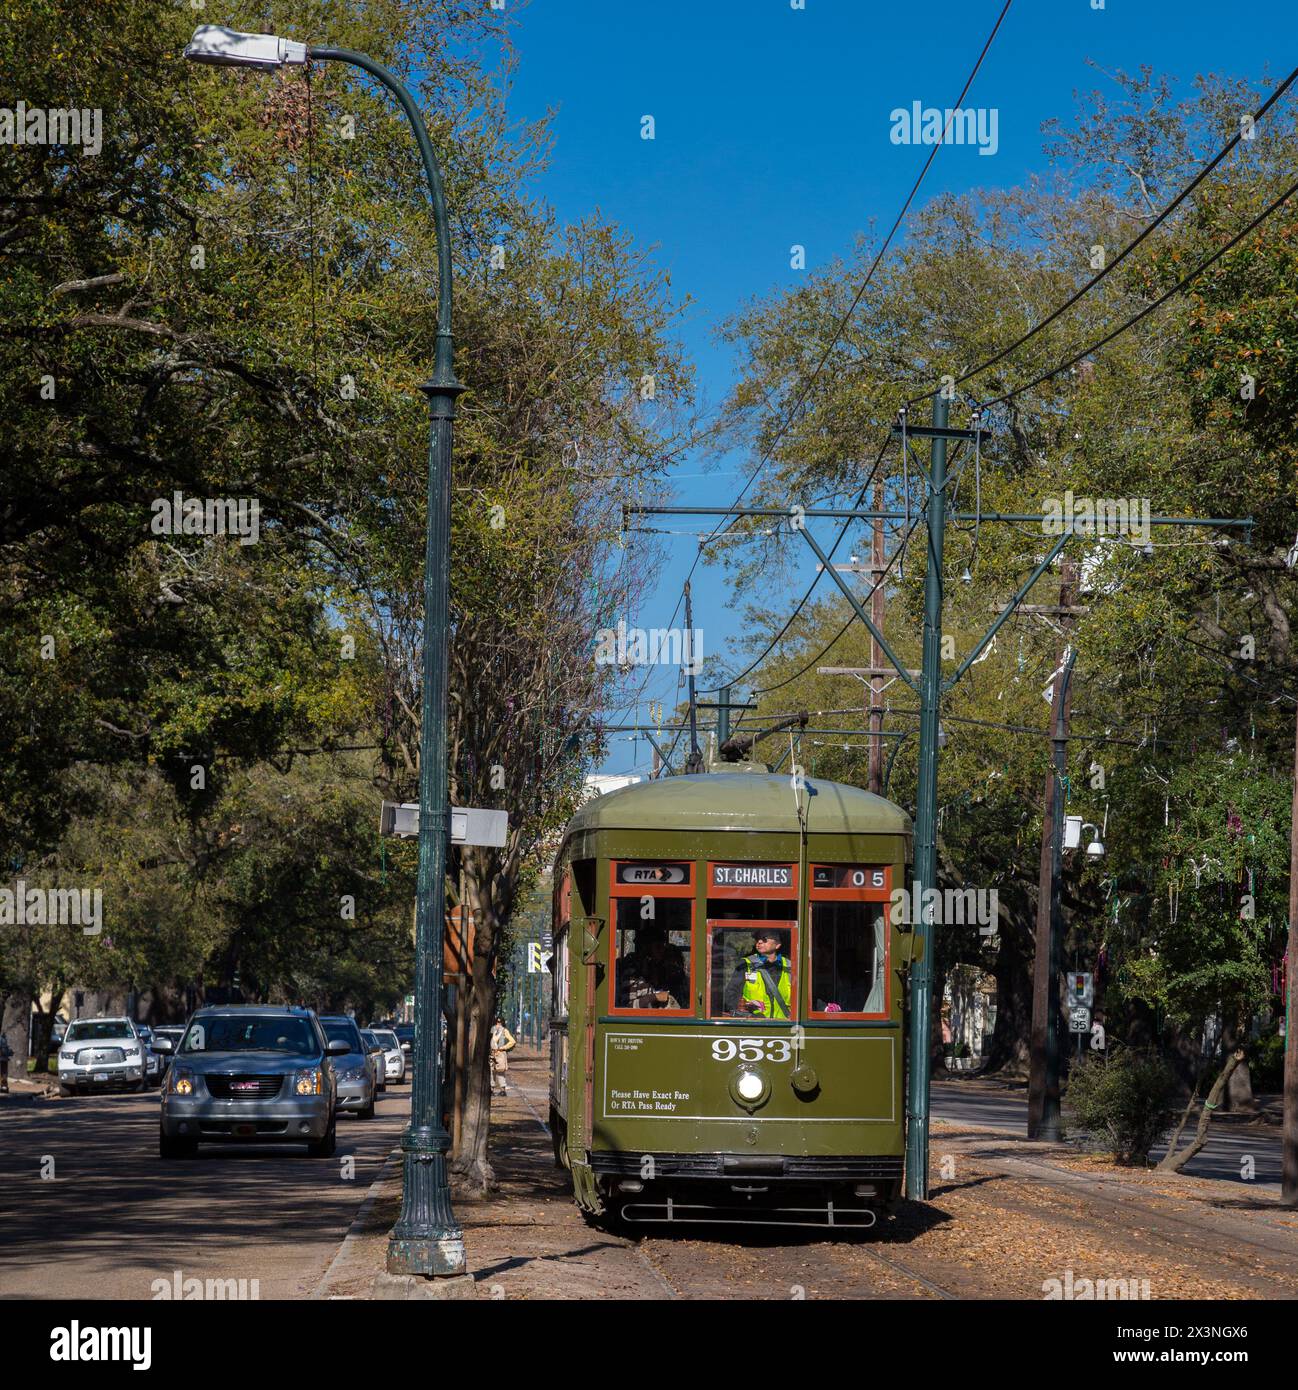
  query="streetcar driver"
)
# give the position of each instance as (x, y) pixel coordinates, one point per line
(653, 976)
(761, 986)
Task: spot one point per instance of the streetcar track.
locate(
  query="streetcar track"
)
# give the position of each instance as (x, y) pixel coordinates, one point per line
(633, 1245)
(909, 1273)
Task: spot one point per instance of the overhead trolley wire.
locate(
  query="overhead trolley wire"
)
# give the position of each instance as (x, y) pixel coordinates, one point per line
(1149, 308)
(1126, 250)
(833, 344)
(842, 324)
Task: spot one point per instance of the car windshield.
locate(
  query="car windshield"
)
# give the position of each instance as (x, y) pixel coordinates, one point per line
(239, 1033)
(343, 1029)
(99, 1028)
(370, 1040)
(389, 1040)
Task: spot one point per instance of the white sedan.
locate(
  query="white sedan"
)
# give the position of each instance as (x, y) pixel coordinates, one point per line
(394, 1058)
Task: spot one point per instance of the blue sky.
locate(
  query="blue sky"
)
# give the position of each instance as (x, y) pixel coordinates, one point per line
(772, 128)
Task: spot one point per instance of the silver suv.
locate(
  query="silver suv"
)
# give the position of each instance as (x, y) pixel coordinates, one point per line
(250, 1073)
(97, 1053)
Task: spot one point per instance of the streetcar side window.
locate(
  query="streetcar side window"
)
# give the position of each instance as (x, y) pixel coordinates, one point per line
(751, 968)
(653, 954)
(847, 957)
(559, 975)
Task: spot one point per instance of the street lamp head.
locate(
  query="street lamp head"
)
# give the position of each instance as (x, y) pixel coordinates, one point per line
(229, 48)
(1095, 849)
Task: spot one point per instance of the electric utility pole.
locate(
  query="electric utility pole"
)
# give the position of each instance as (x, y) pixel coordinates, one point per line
(875, 782)
(1043, 1082)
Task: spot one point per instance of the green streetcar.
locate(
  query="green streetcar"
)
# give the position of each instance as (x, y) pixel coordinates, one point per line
(729, 992)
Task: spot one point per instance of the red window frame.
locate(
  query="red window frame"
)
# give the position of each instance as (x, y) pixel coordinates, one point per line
(868, 894)
(756, 924)
(618, 890)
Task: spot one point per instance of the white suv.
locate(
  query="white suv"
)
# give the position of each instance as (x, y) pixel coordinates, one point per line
(101, 1052)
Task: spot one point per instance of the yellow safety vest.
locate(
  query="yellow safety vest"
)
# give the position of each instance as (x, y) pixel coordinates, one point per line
(756, 990)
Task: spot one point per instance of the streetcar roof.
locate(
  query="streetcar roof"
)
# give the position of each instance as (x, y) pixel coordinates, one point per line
(743, 801)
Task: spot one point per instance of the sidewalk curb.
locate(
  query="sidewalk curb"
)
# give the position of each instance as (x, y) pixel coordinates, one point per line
(357, 1227)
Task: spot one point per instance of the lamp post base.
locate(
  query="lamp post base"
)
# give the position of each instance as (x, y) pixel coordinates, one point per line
(426, 1238)
(407, 1287)
(439, 1259)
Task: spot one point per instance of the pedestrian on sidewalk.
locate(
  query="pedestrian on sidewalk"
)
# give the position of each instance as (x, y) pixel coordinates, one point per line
(5, 1053)
(503, 1042)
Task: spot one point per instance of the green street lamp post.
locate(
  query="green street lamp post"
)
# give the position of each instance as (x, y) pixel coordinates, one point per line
(426, 1239)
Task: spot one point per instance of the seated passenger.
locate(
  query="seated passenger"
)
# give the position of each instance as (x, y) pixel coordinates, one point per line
(654, 975)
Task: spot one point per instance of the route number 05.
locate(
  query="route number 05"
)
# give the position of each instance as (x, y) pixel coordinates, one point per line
(752, 1049)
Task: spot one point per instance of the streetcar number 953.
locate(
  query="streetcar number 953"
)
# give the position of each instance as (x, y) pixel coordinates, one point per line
(752, 1049)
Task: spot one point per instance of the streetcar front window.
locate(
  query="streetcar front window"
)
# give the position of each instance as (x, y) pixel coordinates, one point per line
(847, 957)
(751, 970)
(651, 968)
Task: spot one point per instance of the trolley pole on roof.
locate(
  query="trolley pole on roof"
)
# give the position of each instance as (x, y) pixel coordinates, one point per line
(694, 763)
(930, 695)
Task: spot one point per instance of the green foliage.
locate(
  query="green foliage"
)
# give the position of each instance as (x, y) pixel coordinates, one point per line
(1124, 1099)
(1182, 714)
(235, 298)
(1265, 1056)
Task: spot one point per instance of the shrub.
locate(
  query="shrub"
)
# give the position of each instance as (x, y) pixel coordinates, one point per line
(1126, 1100)
(1266, 1062)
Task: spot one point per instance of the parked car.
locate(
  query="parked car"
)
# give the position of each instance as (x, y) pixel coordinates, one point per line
(152, 1060)
(352, 1065)
(393, 1056)
(376, 1054)
(173, 1032)
(101, 1053)
(406, 1037)
(250, 1073)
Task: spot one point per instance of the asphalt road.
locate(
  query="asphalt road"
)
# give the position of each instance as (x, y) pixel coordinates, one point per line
(991, 1107)
(109, 1217)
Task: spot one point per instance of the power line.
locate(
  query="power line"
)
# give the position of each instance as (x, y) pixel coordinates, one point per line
(1149, 308)
(1128, 249)
(766, 689)
(856, 299)
(757, 661)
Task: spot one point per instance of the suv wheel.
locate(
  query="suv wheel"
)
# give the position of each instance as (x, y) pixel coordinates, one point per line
(368, 1112)
(64, 1089)
(324, 1148)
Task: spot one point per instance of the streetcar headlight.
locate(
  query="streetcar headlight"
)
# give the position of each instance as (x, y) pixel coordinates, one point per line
(749, 1085)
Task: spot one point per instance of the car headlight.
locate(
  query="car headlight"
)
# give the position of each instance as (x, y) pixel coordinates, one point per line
(130, 1052)
(352, 1074)
(182, 1081)
(67, 1056)
(309, 1083)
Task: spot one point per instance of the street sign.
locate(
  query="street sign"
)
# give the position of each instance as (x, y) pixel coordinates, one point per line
(1081, 988)
(469, 825)
(1079, 1018)
(537, 957)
